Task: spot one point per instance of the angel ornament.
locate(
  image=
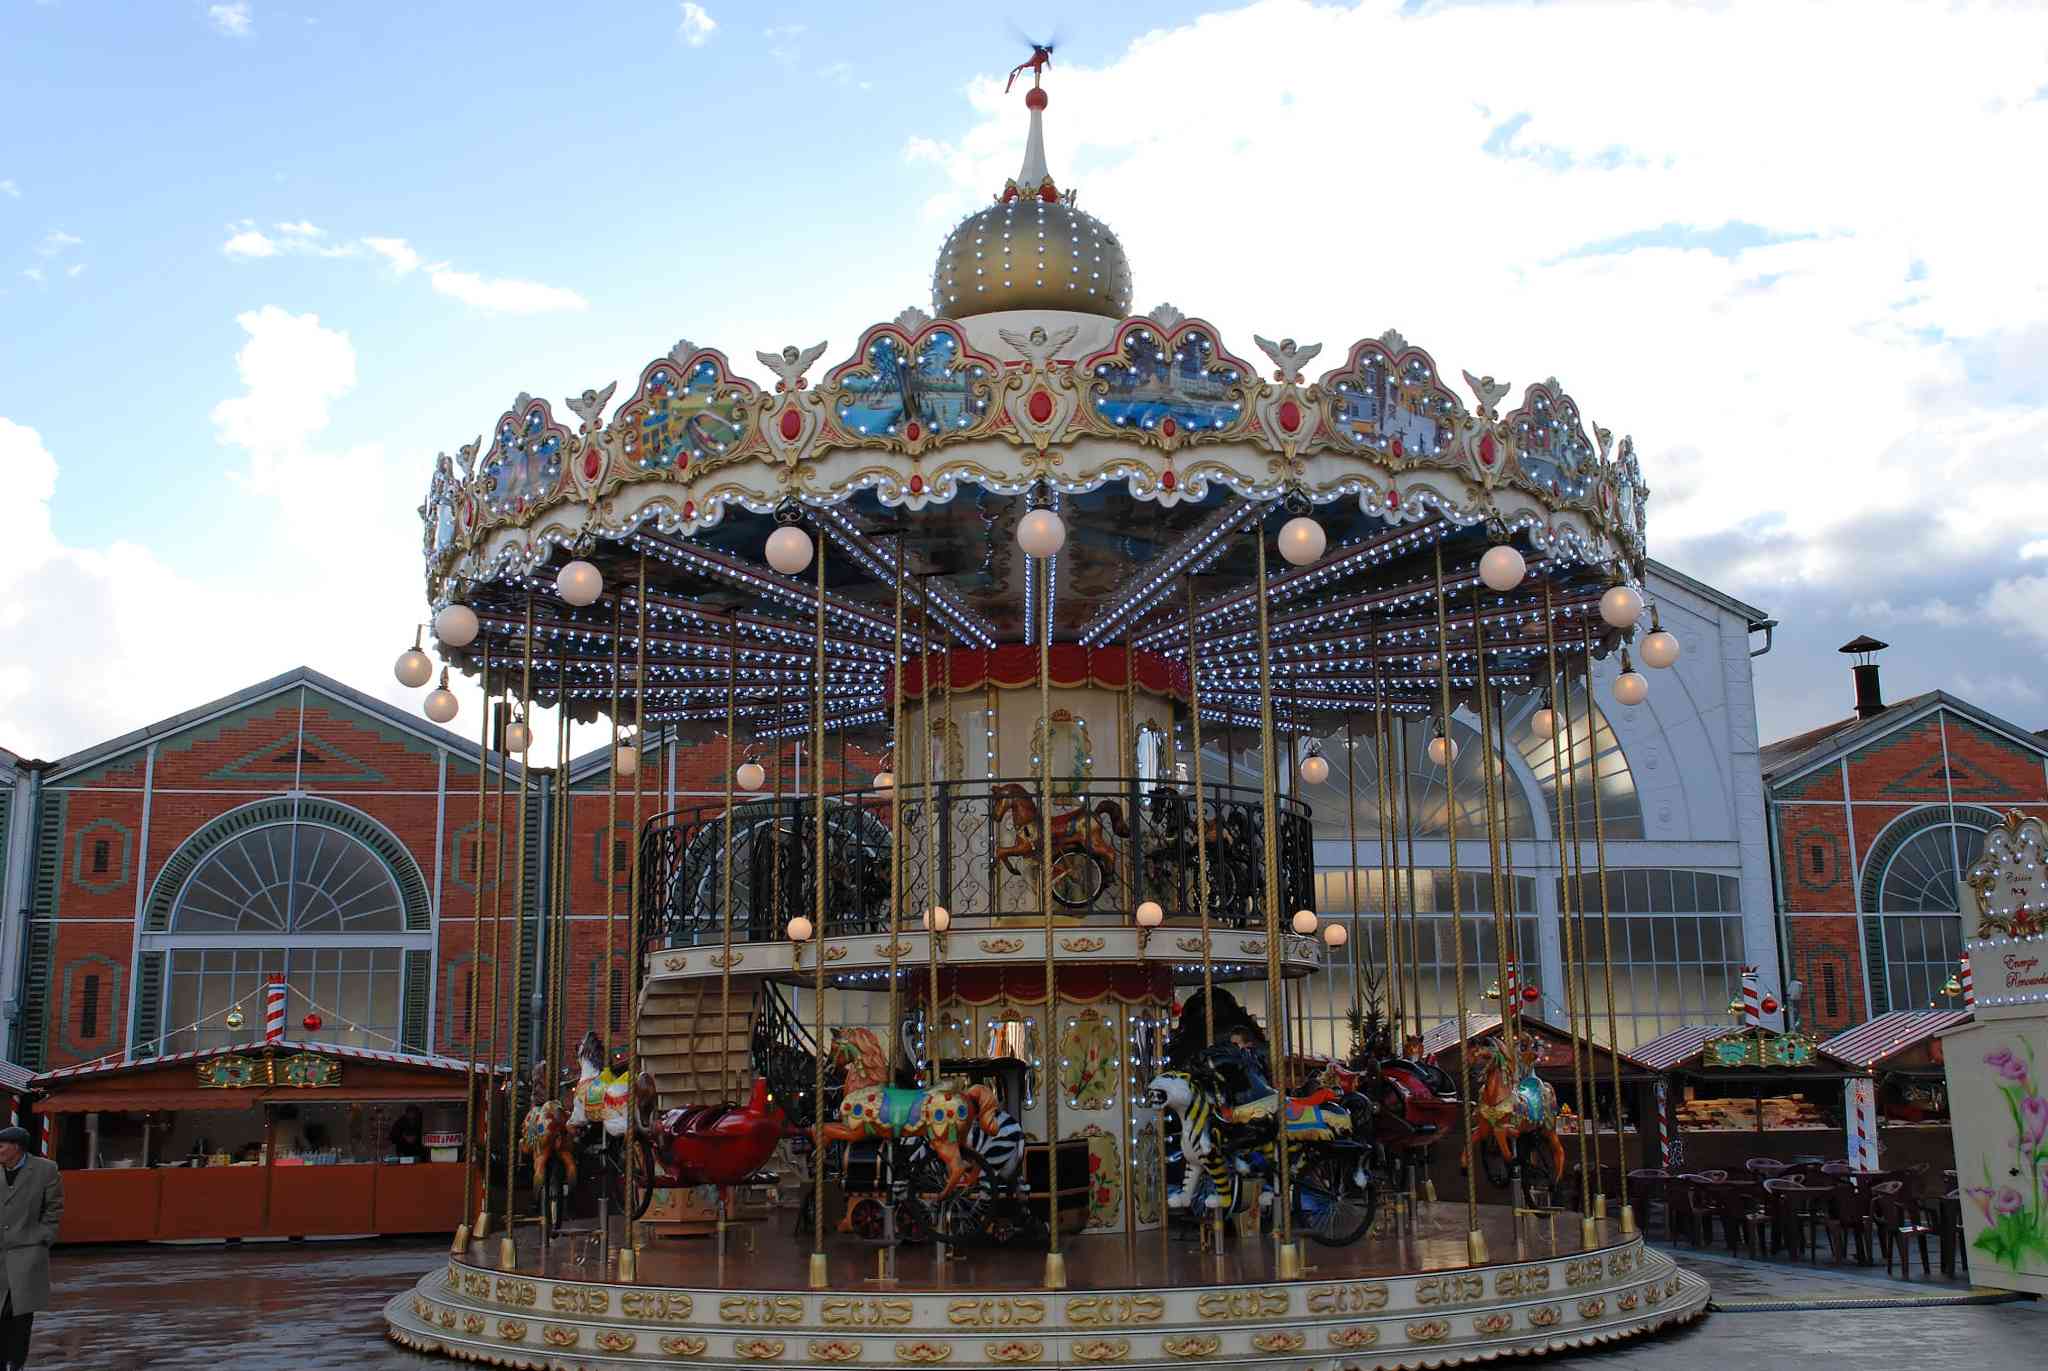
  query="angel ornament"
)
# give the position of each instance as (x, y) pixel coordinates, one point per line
(1041, 397)
(791, 421)
(1287, 411)
(588, 464)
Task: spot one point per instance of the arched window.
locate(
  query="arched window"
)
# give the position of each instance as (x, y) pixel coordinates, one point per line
(1333, 802)
(1912, 888)
(310, 892)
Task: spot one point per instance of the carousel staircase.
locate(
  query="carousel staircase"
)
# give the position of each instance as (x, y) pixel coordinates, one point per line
(698, 1055)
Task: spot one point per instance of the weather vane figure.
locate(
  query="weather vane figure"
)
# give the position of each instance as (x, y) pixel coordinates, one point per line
(1041, 58)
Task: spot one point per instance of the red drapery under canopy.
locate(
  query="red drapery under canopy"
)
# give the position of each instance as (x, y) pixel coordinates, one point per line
(1015, 667)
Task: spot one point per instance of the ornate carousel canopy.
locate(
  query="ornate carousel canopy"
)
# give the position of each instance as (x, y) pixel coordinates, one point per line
(1160, 447)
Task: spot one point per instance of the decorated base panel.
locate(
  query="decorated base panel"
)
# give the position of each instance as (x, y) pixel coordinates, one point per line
(1408, 1300)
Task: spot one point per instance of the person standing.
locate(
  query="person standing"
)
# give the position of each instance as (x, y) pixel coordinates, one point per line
(29, 1211)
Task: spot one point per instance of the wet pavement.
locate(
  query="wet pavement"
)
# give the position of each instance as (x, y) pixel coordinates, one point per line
(312, 1306)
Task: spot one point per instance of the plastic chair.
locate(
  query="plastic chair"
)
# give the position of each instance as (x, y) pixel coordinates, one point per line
(1648, 1186)
(1898, 1223)
(1764, 1168)
(1847, 1219)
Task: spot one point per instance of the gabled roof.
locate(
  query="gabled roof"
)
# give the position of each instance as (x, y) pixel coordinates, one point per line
(1667, 1050)
(400, 719)
(1479, 1023)
(1865, 1045)
(112, 1066)
(15, 1078)
(1801, 753)
(1748, 612)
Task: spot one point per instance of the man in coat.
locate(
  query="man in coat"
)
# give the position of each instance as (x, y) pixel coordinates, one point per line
(29, 1210)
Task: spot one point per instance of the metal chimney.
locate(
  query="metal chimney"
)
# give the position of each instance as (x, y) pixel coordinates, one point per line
(1869, 701)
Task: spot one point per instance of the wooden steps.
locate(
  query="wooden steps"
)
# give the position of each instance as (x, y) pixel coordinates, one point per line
(697, 1055)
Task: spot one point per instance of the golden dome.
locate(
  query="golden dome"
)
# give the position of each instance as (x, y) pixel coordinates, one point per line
(1032, 249)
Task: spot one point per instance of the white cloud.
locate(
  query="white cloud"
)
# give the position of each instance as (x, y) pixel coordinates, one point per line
(249, 243)
(32, 273)
(301, 229)
(233, 19)
(75, 269)
(9, 189)
(57, 242)
(696, 26)
(780, 31)
(505, 295)
(310, 502)
(396, 251)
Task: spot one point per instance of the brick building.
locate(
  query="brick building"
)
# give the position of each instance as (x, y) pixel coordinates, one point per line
(1874, 819)
(301, 828)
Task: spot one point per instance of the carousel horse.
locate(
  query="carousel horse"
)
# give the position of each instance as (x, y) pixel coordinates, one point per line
(1082, 830)
(871, 1108)
(1229, 1113)
(545, 1133)
(602, 1094)
(1513, 1106)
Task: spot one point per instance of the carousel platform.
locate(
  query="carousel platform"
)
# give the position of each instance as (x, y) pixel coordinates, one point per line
(1407, 1299)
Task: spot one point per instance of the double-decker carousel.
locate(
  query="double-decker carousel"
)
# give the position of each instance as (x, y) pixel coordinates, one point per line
(1026, 1001)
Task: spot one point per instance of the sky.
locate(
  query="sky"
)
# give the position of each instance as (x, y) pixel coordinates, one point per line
(260, 262)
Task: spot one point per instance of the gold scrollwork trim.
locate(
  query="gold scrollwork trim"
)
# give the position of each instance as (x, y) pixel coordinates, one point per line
(899, 948)
(612, 1340)
(472, 1323)
(923, 1353)
(1082, 944)
(1280, 1342)
(721, 960)
(675, 963)
(1429, 1330)
(1626, 1302)
(1192, 1346)
(1500, 1321)
(1242, 1304)
(1355, 1336)
(1014, 1352)
(835, 953)
(1254, 947)
(555, 1335)
(684, 1345)
(758, 1349)
(837, 1349)
(1101, 1349)
(511, 1330)
(1188, 945)
(1593, 1308)
(1107, 1311)
(1000, 947)
(1545, 1316)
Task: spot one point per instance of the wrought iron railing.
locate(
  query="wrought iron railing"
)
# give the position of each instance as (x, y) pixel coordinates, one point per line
(785, 1053)
(973, 847)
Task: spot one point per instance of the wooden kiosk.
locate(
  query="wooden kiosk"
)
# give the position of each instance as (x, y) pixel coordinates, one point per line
(268, 1140)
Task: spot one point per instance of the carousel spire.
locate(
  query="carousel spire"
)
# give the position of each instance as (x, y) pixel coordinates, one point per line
(1034, 180)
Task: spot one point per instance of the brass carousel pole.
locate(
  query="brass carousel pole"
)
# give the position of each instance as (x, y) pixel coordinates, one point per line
(611, 900)
(1593, 1180)
(1288, 1256)
(629, 1248)
(1055, 1260)
(1508, 1027)
(557, 915)
(933, 933)
(476, 933)
(1507, 842)
(1563, 760)
(1628, 1213)
(508, 1248)
(1414, 915)
(483, 1211)
(1198, 827)
(1351, 860)
(732, 687)
(1475, 1240)
(819, 1271)
(899, 755)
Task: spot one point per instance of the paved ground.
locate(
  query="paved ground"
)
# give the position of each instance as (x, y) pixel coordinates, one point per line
(308, 1307)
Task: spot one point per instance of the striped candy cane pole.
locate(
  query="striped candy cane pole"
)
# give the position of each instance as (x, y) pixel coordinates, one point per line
(1860, 1099)
(273, 1012)
(1663, 1124)
(1969, 990)
(1752, 999)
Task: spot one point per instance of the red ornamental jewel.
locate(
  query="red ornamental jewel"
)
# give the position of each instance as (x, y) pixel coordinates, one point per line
(1769, 1006)
(312, 1023)
(1486, 450)
(913, 431)
(1169, 428)
(1393, 499)
(1398, 447)
(590, 465)
(1290, 416)
(1531, 994)
(792, 424)
(916, 482)
(689, 509)
(1039, 407)
(1166, 479)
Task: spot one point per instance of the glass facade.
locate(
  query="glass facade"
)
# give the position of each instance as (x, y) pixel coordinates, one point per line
(1677, 949)
(357, 991)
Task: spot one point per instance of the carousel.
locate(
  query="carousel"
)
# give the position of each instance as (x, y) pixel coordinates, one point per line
(992, 1051)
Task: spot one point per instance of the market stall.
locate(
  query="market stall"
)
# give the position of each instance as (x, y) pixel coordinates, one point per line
(1732, 1093)
(281, 1139)
(1897, 1083)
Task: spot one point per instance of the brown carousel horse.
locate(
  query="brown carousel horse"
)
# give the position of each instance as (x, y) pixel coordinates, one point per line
(871, 1108)
(1082, 833)
(1512, 1108)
